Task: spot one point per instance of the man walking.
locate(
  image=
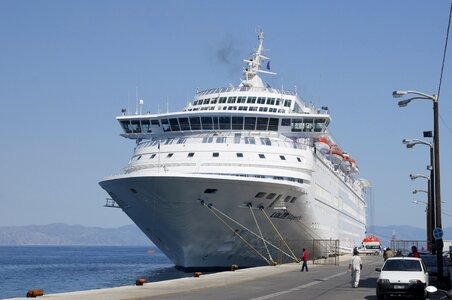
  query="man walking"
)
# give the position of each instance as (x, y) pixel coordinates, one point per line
(305, 260)
(355, 268)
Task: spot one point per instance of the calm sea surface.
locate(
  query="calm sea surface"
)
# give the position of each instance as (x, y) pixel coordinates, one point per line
(57, 269)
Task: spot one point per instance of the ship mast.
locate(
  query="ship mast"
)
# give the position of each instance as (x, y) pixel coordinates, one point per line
(253, 64)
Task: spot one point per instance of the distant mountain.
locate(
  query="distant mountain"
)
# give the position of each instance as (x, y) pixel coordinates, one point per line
(63, 234)
(403, 232)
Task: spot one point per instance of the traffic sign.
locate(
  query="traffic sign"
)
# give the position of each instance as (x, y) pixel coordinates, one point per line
(438, 233)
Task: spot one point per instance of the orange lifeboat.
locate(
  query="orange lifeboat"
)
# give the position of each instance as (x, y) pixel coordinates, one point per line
(335, 155)
(346, 164)
(323, 145)
(354, 167)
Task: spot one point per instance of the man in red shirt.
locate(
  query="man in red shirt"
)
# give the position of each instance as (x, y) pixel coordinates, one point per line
(305, 260)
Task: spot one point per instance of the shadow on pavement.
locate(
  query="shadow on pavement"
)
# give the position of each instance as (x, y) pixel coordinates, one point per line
(370, 282)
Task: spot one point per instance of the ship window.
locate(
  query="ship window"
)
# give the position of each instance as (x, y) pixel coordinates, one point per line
(126, 126)
(287, 103)
(293, 199)
(262, 123)
(270, 196)
(225, 108)
(278, 101)
(214, 100)
(152, 156)
(241, 99)
(174, 124)
(261, 155)
(195, 123)
(170, 155)
(271, 101)
(225, 123)
(138, 158)
(237, 137)
(204, 108)
(221, 139)
(261, 100)
(250, 140)
(250, 123)
(195, 102)
(300, 180)
(299, 159)
(308, 125)
(191, 154)
(222, 100)
(181, 140)
(206, 101)
(251, 100)
(155, 122)
(319, 125)
(210, 191)
(207, 139)
(135, 126)
(231, 99)
(184, 125)
(237, 123)
(216, 125)
(273, 124)
(146, 125)
(282, 157)
(169, 141)
(239, 154)
(287, 199)
(207, 123)
(215, 154)
(253, 108)
(297, 125)
(285, 122)
(266, 141)
(260, 195)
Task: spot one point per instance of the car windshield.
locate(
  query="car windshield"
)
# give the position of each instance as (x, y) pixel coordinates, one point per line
(402, 265)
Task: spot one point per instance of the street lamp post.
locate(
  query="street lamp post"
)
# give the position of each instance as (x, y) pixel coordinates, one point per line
(436, 166)
(430, 219)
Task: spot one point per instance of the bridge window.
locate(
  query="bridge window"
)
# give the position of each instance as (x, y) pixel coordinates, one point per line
(273, 124)
(232, 99)
(174, 124)
(241, 99)
(237, 123)
(308, 125)
(155, 122)
(135, 126)
(262, 124)
(207, 123)
(225, 123)
(320, 124)
(184, 125)
(250, 123)
(195, 123)
(297, 125)
(285, 122)
(251, 100)
(126, 126)
(287, 103)
(146, 125)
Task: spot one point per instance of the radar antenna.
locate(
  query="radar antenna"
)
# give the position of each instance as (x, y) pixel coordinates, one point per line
(253, 64)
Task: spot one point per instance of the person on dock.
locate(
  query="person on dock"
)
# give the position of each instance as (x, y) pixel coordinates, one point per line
(355, 267)
(388, 253)
(305, 260)
(414, 252)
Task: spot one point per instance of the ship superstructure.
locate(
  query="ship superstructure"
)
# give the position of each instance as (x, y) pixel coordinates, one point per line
(236, 172)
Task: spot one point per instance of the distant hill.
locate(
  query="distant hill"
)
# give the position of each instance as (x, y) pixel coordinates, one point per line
(63, 234)
(403, 232)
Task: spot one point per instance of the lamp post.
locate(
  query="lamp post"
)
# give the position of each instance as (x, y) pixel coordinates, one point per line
(436, 168)
(431, 200)
(428, 209)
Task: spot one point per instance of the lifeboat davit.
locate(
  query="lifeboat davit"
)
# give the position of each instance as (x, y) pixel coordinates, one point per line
(346, 164)
(335, 155)
(323, 145)
(354, 166)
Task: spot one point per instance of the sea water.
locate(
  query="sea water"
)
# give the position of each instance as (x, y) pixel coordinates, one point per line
(57, 269)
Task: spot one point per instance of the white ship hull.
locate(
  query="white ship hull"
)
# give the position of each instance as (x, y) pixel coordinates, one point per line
(168, 210)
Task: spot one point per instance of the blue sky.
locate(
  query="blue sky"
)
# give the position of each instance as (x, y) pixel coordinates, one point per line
(68, 67)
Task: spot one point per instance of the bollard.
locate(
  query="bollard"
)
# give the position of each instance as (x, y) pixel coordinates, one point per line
(234, 267)
(140, 281)
(34, 293)
(197, 274)
(274, 263)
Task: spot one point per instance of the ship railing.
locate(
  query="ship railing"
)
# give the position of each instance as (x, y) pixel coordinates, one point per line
(246, 89)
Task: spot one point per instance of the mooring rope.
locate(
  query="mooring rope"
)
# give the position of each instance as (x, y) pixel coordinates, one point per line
(209, 206)
(260, 232)
(280, 236)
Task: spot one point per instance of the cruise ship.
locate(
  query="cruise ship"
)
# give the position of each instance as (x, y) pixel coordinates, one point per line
(242, 175)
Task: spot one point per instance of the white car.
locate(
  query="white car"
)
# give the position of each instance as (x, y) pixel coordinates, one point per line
(402, 276)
